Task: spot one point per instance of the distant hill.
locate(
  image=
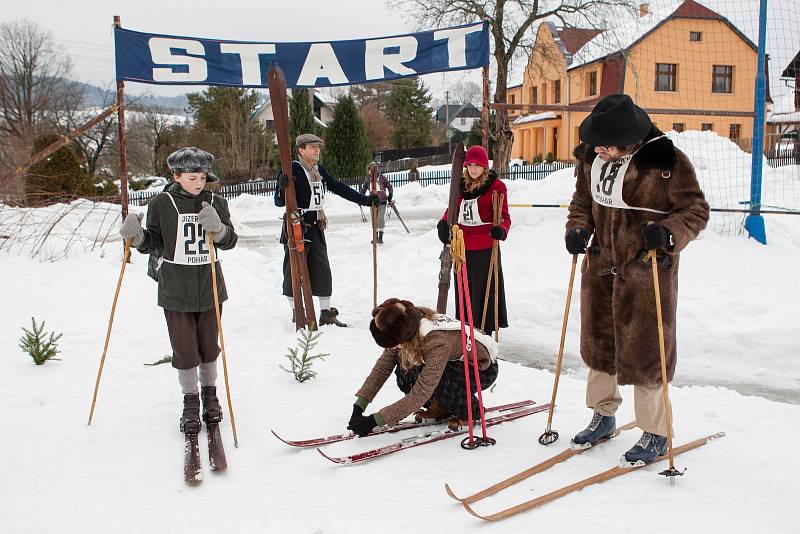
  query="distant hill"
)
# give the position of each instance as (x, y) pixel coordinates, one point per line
(94, 97)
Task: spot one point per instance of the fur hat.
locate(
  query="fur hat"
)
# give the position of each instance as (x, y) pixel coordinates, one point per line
(615, 121)
(477, 154)
(192, 159)
(394, 322)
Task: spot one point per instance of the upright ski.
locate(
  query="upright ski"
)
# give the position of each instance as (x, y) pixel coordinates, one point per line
(538, 468)
(430, 437)
(317, 442)
(614, 472)
(192, 472)
(216, 451)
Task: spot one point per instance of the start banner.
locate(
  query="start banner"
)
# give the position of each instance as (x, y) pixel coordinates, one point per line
(174, 60)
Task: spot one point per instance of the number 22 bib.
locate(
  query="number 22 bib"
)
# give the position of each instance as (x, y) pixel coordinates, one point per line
(191, 246)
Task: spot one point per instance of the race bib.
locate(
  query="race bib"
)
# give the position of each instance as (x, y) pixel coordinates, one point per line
(191, 247)
(317, 201)
(607, 178)
(468, 214)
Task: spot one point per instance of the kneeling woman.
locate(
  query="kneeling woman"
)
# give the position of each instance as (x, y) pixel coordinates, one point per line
(424, 351)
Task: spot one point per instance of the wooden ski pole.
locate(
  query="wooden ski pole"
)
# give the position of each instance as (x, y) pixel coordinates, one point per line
(491, 264)
(373, 174)
(551, 436)
(670, 472)
(496, 269)
(221, 337)
(126, 254)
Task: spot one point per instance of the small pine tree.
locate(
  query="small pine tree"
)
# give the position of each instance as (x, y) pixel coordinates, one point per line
(34, 344)
(347, 151)
(301, 362)
(61, 173)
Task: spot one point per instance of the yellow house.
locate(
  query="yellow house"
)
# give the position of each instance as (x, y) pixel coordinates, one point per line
(686, 65)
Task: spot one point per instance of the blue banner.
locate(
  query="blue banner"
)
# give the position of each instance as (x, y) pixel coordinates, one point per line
(174, 60)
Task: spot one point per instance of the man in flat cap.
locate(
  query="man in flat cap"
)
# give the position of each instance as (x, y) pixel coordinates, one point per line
(635, 192)
(311, 183)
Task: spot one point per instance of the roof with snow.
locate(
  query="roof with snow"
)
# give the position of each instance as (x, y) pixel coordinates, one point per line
(536, 117)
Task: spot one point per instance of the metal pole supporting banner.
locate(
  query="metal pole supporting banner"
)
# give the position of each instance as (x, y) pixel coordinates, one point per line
(754, 223)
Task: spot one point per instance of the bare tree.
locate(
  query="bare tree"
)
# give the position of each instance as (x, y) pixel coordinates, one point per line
(511, 23)
(466, 92)
(33, 79)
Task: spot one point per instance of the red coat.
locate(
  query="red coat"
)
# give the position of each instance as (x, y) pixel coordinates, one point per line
(478, 237)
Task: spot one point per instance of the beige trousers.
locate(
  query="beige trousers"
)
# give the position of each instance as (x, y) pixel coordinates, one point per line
(602, 396)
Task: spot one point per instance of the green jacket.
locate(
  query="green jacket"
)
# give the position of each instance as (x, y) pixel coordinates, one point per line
(185, 288)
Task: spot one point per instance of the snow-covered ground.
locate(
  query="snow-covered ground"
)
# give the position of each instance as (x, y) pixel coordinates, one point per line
(738, 372)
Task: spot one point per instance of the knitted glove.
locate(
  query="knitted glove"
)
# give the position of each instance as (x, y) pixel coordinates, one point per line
(209, 219)
(498, 232)
(444, 232)
(132, 229)
(362, 425)
(576, 239)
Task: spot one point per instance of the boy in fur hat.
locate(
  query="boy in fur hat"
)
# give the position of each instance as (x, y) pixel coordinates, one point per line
(423, 349)
(177, 224)
(634, 192)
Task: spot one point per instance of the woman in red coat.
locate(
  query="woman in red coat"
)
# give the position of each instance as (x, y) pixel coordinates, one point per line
(475, 219)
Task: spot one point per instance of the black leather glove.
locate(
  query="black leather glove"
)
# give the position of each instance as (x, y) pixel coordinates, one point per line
(576, 240)
(374, 199)
(358, 411)
(657, 237)
(362, 425)
(498, 232)
(444, 232)
(282, 181)
(389, 198)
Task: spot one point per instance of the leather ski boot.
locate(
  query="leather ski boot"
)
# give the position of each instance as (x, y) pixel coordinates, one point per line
(329, 317)
(212, 412)
(190, 420)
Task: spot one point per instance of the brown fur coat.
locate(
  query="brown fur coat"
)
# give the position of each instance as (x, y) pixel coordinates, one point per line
(619, 332)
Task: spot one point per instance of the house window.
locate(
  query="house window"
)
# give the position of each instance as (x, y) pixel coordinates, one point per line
(797, 92)
(678, 126)
(512, 97)
(735, 131)
(544, 93)
(557, 91)
(722, 79)
(462, 120)
(695, 36)
(707, 127)
(534, 95)
(666, 76)
(592, 86)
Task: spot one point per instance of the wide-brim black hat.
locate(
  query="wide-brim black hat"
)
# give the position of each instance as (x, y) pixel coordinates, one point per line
(615, 121)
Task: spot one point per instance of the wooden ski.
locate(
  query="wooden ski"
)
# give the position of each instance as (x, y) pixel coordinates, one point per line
(538, 468)
(614, 472)
(456, 174)
(301, 284)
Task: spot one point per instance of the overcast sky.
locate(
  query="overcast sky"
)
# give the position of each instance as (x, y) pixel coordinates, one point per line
(84, 28)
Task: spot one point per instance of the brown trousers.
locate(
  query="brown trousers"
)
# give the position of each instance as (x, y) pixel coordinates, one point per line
(193, 336)
(602, 396)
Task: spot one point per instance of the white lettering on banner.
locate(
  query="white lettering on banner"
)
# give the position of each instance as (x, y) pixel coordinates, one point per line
(321, 62)
(161, 54)
(456, 44)
(376, 58)
(250, 58)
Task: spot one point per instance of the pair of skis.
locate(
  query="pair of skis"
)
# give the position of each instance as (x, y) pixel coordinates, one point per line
(603, 476)
(192, 470)
(508, 412)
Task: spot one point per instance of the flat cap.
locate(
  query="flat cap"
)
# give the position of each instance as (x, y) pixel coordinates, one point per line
(307, 139)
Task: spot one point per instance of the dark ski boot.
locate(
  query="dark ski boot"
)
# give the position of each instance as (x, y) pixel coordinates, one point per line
(647, 449)
(212, 412)
(329, 317)
(190, 420)
(601, 426)
(380, 237)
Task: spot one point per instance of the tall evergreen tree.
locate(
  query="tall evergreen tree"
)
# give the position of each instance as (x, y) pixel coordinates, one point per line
(409, 110)
(301, 114)
(347, 151)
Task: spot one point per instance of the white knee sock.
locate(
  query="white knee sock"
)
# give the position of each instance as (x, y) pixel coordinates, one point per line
(188, 381)
(208, 373)
(324, 303)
